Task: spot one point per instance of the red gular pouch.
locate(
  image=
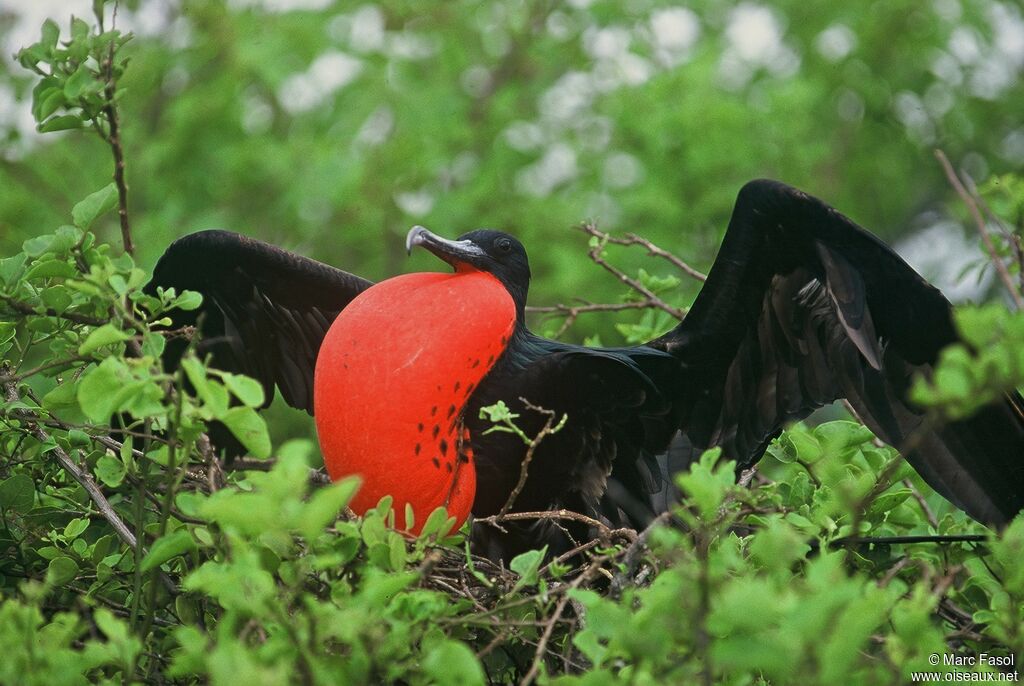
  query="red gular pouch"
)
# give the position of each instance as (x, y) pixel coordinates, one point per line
(392, 380)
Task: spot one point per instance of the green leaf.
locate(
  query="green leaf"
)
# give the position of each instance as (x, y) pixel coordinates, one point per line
(99, 337)
(188, 300)
(62, 397)
(110, 470)
(79, 30)
(166, 547)
(153, 344)
(455, 663)
(57, 297)
(889, 500)
(498, 412)
(101, 547)
(325, 505)
(75, 528)
(397, 553)
(707, 482)
(51, 32)
(249, 391)
(49, 269)
(11, 268)
(196, 373)
(62, 123)
(438, 524)
(112, 627)
(250, 429)
(526, 566)
(17, 492)
(100, 387)
(52, 102)
(82, 82)
(38, 245)
(32, 55)
(61, 570)
(7, 331)
(94, 206)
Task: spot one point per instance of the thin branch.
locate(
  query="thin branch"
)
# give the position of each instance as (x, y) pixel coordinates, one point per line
(629, 560)
(919, 497)
(558, 515)
(572, 312)
(317, 477)
(114, 139)
(27, 309)
(904, 540)
(979, 223)
(595, 256)
(67, 362)
(652, 249)
(71, 467)
(549, 428)
(552, 621)
(83, 478)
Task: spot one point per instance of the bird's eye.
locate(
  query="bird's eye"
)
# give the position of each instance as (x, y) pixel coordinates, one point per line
(505, 245)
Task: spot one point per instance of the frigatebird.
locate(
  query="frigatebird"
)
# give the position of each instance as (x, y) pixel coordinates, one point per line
(800, 308)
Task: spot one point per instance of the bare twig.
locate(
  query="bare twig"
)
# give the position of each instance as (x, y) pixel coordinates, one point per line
(317, 477)
(905, 540)
(652, 249)
(549, 428)
(893, 571)
(556, 515)
(979, 223)
(629, 560)
(572, 312)
(83, 478)
(67, 362)
(71, 467)
(702, 636)
(556, 615)
(928, 513)
(114, 140)
(27, 309)
(595, 256)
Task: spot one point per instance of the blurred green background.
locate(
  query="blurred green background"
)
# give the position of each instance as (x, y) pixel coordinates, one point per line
(331, 127)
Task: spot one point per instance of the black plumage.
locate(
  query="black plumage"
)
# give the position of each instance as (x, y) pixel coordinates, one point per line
(800, 308)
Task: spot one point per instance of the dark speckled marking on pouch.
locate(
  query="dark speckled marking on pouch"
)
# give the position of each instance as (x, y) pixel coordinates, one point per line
(444, 447)
(437, 430)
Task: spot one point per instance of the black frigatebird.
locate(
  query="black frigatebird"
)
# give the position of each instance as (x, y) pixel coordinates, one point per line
(801, 307)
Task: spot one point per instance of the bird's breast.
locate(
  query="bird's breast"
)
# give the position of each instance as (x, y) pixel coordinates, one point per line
(392, 380)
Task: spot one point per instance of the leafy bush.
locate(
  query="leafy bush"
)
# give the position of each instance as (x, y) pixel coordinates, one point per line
(132, 553)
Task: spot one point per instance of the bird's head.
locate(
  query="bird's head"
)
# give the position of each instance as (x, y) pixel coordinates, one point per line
(484, 250)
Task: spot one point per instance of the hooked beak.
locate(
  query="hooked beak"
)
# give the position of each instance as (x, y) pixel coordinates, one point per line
(452, 252)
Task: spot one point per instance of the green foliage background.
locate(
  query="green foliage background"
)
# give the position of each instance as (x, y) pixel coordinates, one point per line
(529, 117)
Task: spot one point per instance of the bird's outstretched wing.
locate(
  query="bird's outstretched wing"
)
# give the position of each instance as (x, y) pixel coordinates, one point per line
(265, 310)
(802, 307)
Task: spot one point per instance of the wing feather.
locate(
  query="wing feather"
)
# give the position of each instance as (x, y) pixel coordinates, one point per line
(803, 307)
(265, 310)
